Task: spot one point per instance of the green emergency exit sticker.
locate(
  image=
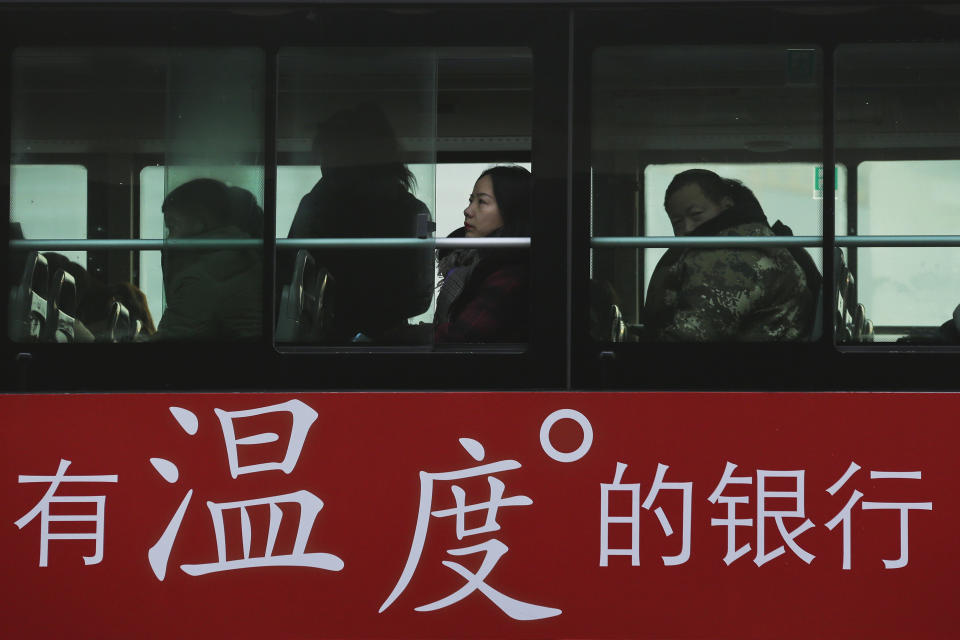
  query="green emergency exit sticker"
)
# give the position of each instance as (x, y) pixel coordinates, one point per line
(818, 182)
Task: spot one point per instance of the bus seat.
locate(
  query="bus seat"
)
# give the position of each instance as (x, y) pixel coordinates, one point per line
(858, 322)
(841, 300)
(618, 330)
(850, 320)
(28, 300)
(120, 328)
(61, 309)
(306, 304)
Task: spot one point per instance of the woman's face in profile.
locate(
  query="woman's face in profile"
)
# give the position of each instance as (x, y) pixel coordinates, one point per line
(482, 216)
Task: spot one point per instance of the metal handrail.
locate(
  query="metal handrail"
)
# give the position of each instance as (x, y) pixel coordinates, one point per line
(648, 242)
(282, 243)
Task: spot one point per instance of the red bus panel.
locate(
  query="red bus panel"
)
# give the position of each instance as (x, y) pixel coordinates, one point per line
(478, 515)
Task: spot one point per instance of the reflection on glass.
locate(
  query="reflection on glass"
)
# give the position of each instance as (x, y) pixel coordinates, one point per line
(358, 109)
(196, 113)
(211, 293)
(365, 190)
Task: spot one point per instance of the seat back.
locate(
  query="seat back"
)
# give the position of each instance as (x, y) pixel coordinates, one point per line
(618, 330)
(27, 317)
(306, 304)
(120, 327)
(850, 319)
(61, 309)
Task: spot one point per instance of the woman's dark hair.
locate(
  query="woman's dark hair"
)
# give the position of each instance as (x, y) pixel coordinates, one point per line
(245, 212)
(511, 188)
(714, 187)
(359, 143)
(205, 199)
(217, 205)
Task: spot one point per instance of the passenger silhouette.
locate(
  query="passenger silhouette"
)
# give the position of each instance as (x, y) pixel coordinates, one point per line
(364, 192)
(211, 294)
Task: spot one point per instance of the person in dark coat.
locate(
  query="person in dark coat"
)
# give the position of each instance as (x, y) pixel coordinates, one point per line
(364, 192)
(212, 294)
(484, 294)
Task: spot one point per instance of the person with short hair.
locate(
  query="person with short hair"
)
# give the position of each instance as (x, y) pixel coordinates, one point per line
(212, 294)
(484, 294)
(724, 294)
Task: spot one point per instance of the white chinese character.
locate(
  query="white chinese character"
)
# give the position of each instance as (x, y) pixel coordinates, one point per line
(687, 488)
(844, 514)
(763, 513)
(492, 549)
(309, 504)
(606, 519)
(303, 417)
(43, 508)
(731, 521)
(904, 508)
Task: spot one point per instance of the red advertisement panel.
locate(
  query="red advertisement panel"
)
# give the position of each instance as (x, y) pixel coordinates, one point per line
(479, 515)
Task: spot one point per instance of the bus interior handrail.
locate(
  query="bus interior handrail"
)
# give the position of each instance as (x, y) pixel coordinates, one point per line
(253, 243)
(645, 242)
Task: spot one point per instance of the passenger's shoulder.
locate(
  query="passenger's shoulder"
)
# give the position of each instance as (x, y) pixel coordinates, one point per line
(500, 274)
(748, 229)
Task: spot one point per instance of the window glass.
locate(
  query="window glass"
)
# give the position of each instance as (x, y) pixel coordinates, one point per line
(359, 131)
(454, 182)
(50, 201)
(745, 113)
(908, 287)
(897, 108)
(196, 114)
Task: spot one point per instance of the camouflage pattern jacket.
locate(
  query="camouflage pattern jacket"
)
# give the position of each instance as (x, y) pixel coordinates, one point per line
(725, 295)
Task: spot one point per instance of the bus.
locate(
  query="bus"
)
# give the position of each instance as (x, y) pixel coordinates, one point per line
(290, 445)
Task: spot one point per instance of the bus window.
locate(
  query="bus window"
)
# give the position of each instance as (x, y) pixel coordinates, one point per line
(709, 116)
(50, 201)
(897, 108)
(185, 114)
(360, 195)
(908, 291)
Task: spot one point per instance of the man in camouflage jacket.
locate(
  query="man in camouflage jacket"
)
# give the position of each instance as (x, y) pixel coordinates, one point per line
(726, 294)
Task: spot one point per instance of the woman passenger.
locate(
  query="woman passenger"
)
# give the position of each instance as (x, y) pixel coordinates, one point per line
(365, 192)
(484, 292)
(724, 294)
